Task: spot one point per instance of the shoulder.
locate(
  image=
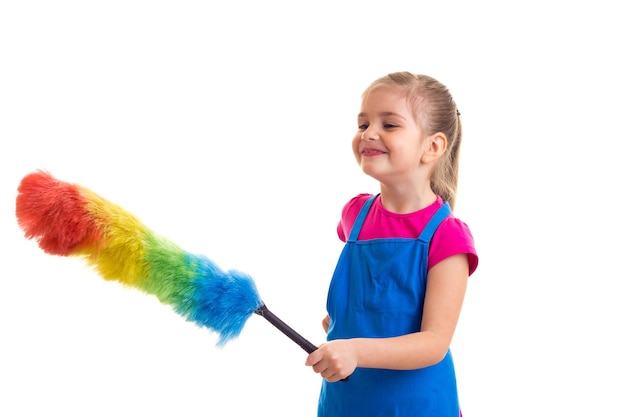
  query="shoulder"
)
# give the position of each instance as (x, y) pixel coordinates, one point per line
(453, 237)
(349, 213)
(353, 206)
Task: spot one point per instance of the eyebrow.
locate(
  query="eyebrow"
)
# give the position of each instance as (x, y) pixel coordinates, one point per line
(384, 114)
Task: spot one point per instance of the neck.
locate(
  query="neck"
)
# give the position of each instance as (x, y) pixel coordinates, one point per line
(408, 200)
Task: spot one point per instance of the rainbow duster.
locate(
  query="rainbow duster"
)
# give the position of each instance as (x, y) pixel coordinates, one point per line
(71, 220)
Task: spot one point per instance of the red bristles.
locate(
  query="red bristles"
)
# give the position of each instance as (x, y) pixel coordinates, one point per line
(55, 214)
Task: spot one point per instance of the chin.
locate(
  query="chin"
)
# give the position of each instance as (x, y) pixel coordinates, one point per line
(367, 170)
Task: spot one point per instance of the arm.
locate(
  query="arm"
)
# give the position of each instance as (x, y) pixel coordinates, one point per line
(445, 291)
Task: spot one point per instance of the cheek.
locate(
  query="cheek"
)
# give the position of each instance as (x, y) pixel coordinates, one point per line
(355, 145)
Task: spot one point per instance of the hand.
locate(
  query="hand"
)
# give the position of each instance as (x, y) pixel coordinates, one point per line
(335, 360)
(326, 323)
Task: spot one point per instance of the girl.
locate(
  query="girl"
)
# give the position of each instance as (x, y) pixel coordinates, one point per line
(398, 287)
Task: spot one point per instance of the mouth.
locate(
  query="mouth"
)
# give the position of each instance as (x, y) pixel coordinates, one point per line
(372, 152)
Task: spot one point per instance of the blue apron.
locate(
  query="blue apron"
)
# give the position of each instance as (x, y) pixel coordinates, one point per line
(377, 290)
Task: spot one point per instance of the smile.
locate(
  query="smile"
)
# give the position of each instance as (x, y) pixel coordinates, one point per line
(372, 152)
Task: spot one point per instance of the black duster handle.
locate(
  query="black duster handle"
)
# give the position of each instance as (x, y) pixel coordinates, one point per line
(291, 333)
(283, 327)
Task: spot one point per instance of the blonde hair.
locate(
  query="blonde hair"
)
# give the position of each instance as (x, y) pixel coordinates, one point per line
(436, 111)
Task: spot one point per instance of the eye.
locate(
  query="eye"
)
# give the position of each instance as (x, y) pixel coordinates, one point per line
(389, 125)
(363, 126)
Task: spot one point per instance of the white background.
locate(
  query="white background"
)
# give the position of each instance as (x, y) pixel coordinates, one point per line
(226, 127)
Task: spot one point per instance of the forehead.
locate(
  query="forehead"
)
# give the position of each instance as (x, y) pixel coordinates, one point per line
(386, 99)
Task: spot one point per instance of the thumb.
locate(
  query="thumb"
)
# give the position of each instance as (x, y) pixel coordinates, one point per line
(314, 357)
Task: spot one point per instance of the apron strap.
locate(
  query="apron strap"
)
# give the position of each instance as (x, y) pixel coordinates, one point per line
(356, 227)
(434, 222)
(428, 232)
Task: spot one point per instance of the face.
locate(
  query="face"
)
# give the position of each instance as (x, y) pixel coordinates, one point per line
(389, 143)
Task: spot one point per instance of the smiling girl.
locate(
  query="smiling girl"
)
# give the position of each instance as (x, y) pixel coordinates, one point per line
(397, 291)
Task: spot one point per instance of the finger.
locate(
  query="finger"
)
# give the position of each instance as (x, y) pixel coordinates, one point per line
(313, 359)
(328, 374)
(320, 369)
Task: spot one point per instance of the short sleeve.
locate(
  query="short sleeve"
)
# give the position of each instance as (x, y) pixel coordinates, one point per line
(348, 215)
(452, 238)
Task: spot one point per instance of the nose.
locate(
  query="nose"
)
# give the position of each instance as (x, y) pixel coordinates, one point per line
(369, 134)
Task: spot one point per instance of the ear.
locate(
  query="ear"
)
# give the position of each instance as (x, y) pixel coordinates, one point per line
(435, 147)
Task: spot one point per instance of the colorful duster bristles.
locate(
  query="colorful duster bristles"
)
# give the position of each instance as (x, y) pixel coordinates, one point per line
(70, 220)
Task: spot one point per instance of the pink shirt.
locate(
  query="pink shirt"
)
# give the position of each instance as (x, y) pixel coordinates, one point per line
(451, 238)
